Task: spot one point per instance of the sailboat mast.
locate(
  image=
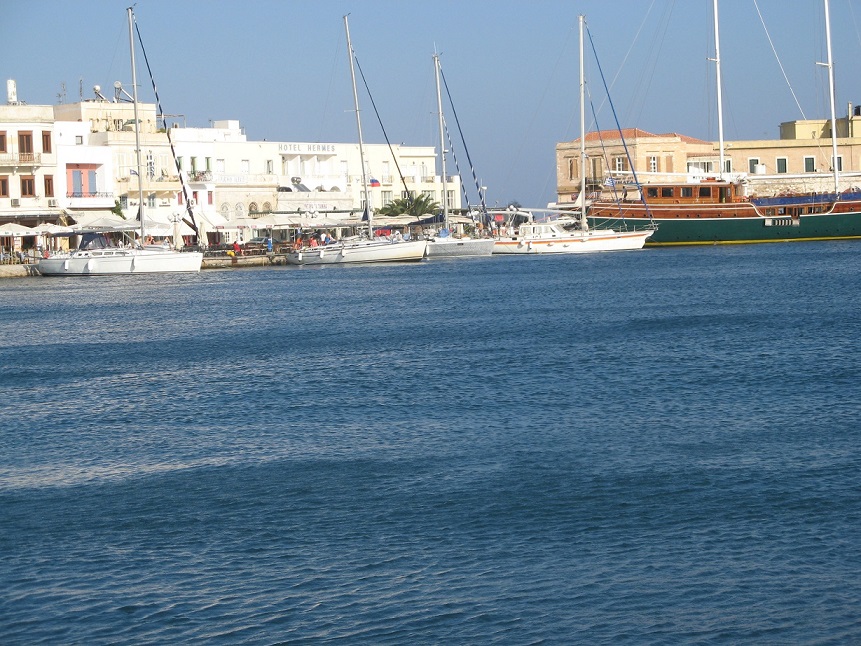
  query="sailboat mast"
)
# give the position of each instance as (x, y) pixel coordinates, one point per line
(830, 65)
(584, 225)
(359, 127)
(137, 122)
(719, 95)
(441, 140)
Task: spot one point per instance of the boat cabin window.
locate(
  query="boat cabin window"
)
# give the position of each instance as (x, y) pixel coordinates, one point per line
(651, 192)
(667, 191)
(94, 241)
(705, 191)
(687, 191)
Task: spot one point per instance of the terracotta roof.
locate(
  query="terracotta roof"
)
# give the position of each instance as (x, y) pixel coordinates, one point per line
(627, 133)
(685, 138)
(637, 133)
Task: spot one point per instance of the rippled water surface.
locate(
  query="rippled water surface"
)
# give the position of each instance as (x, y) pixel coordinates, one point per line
(651, 447)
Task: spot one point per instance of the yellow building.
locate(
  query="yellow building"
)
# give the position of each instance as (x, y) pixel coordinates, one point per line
(801, 160)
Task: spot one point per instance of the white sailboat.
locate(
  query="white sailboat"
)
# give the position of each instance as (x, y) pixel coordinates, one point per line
(360, 249)
(447, 245)
(552, 236)
(97, 255)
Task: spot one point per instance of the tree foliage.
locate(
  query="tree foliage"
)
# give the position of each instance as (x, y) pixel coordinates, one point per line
(421, 205)
(118, 209)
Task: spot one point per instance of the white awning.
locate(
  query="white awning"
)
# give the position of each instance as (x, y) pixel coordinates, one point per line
(15, 230)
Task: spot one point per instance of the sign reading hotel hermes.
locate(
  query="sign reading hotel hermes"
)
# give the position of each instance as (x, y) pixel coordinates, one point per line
(306, 148)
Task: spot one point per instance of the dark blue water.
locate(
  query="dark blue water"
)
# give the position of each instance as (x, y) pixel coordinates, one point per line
(648, 448)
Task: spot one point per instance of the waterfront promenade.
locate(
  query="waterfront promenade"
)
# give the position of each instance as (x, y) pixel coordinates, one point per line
(18, 271)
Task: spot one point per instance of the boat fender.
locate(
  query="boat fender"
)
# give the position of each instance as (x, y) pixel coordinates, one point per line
(90, 264)
(322, 253)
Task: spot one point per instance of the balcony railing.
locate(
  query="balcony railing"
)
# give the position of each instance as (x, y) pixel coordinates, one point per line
(20, 159)
(89, 194)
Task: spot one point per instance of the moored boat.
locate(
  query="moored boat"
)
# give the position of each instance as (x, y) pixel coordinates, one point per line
(362, 249)
(553, 237)
(446, 245)
(98, 255)
(718, 212)
(359, 250)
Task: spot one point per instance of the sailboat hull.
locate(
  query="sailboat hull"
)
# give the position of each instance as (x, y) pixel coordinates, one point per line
(363, 251)
(120, 261)
(589, 242)
(460, 247)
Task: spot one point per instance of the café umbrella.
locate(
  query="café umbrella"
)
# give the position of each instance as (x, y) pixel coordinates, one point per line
(15, 230)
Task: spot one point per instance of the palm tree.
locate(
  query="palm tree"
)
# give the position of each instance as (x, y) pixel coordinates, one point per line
(118, 210)
(421, 205)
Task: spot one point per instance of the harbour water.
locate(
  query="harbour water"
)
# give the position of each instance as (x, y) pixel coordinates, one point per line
(650, 447)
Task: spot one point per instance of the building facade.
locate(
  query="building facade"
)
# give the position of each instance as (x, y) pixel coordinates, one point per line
(799, 161)
(29, 180)
(73, 163)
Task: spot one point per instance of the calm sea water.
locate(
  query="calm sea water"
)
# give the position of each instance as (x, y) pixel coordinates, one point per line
(651, 447)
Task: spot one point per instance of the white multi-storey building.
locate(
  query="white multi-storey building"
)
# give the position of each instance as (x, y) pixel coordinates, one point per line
(28, 161)
(252, 178)
(75, 162)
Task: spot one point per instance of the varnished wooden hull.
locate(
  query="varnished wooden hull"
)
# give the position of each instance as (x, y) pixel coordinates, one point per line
(735, 223)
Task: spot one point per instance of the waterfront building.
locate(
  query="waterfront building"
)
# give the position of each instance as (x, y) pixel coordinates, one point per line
(307, 180)
(75, 163)
(799, 161)
(29, 182)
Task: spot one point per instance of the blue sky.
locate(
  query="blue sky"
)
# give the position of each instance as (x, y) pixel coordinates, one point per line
(280, 67)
